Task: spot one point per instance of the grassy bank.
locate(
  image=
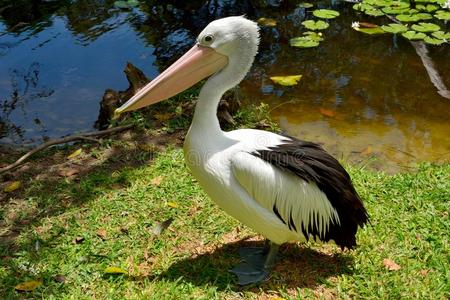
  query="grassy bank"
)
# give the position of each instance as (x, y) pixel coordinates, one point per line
(66, 229)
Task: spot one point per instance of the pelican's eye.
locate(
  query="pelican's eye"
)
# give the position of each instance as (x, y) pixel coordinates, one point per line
(208, 39)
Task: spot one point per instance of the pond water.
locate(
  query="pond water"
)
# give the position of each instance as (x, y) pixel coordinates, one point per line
(367, 98)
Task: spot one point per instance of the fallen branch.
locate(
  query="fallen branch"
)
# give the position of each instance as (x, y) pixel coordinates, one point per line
(422, 52)
(67, 139)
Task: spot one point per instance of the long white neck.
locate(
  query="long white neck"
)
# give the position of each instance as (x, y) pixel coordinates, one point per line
(205, 120)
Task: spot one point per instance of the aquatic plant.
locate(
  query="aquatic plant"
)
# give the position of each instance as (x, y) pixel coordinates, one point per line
(414, 13)
(313, 38)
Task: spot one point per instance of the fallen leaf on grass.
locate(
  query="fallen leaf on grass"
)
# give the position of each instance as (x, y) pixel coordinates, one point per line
(59, 278)
(327, 112)
(28, 285)
(157, 180)
(424, 272)
(13, 186)
(286, 80)
(160, 227)
(391, 265)
(68, 172)
(78, 240)
(162, 117)
(144, 269)
(101, 233)
(172, 204)
(75, 153)
(115, 270)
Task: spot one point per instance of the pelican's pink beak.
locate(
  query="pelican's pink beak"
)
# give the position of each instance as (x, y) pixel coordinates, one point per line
(197, 64)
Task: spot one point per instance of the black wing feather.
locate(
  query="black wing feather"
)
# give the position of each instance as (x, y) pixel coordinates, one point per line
(312, 163)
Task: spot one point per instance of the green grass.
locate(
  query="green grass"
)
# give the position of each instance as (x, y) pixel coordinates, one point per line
(190, 260)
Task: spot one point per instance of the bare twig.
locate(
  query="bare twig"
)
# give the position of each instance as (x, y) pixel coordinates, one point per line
(85, 136)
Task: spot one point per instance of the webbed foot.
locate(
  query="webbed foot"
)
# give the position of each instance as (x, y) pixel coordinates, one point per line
(256, 264)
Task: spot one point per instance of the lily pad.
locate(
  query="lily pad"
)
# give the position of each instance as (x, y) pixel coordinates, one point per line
(363, 6)
(426, 27)
(394, 28)
(303, 42)
(286, 80)
(433, 41)
(441, 35)
(374, 12)
(412, 35)
(315, 25)
(126, 4)
(427, 8)
(442, 15)
(399, 4)
(424, 16)
(407, 18)
(326, 13)
(372, 30)
(305, 5)
(394, 10)
(315, 36)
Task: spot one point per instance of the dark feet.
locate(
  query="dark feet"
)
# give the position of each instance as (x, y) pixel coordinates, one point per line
(256, 264)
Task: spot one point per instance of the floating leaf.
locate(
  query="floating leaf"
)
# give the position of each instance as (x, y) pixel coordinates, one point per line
(13, 186)
(423, 16)
(75, 153)
(286, 80)
(315, 36)
(442, 15)
(28, 285)
(315, 25)
(267, 22)
(394, 11)
(412, 35)
(126, 4)
(160, 227)
(305, 5)
(325, 13)
(115, 270)
(373, 30)
(327, 112)
(433, 41)
(426, 27)
(391, 265)
(374, 12)
(303, 42)
(407, 18)
(394, 28)
(399, 4)
(441, 35)
(363, 7)
(172, 204)
(428, 8)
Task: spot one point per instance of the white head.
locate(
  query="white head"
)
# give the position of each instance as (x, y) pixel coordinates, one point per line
(226, 48)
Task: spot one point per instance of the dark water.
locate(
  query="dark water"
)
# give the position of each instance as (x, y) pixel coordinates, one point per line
(367, 98)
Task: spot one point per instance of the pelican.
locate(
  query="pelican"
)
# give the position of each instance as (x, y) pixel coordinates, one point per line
(284, 188)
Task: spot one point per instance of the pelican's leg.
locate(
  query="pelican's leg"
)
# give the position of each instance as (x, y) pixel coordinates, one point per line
(256, 266)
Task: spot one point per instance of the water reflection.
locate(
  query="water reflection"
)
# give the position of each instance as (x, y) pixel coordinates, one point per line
(376, 88)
